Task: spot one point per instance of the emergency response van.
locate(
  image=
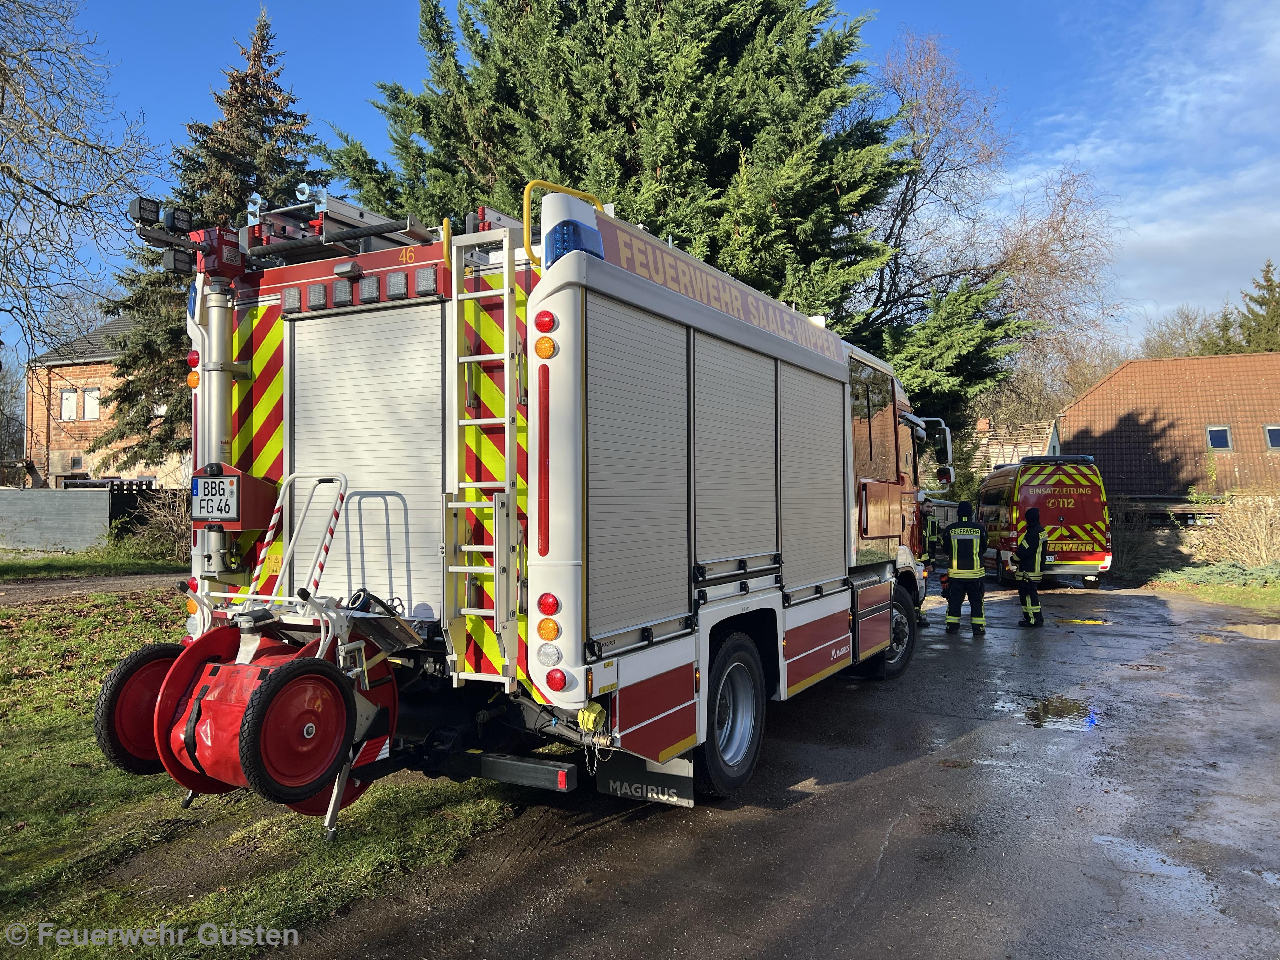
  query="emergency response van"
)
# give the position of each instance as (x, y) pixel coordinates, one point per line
(1068, 491)
(455, 493)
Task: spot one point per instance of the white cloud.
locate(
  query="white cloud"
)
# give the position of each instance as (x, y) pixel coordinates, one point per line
(1178, 120)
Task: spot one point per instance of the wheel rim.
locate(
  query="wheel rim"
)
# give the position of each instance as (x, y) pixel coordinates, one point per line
(735, 713)
(133, 715)
(899, 634)
(302, 731)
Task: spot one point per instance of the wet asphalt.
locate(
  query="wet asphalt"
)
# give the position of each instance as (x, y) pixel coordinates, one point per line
(1086, 790)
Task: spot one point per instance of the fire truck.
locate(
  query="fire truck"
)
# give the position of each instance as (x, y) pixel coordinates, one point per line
(459, 494)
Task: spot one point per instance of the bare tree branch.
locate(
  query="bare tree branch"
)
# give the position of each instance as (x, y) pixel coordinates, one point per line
(65, 177)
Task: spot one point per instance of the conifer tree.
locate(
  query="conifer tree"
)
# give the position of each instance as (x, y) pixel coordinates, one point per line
(1259, 317)
(742, 131)
(259, 143)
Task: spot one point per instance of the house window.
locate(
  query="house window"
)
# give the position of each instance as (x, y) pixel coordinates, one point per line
(68, 411)
(1219, 437)
(77, 463)
(91, 403)
(1273, 436)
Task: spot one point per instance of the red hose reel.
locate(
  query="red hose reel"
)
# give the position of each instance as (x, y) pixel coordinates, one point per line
(282, 724)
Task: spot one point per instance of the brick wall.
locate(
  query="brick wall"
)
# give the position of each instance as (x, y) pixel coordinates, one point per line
(60, 448)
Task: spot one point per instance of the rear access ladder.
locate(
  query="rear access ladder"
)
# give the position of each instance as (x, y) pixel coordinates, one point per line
(472, 504)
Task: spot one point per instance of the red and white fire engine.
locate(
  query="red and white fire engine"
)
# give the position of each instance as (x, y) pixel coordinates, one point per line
(460, 493)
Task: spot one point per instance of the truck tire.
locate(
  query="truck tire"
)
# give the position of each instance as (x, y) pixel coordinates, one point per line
(902, 635)
(891, 663)
(124, 716)
(735, 719)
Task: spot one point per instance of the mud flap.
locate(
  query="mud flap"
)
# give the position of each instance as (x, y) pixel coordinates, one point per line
(635, 778)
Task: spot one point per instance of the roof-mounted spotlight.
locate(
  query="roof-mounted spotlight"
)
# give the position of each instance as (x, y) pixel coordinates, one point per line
(144, 211)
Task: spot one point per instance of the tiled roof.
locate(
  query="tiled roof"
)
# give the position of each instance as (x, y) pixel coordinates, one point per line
(1145, 424)
(94, 347)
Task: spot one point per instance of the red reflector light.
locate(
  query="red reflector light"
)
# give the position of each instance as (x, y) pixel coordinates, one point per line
(545, 321)
(556, 679)
(193, 359)
(562, 780)
(192, 584)
(549, 604)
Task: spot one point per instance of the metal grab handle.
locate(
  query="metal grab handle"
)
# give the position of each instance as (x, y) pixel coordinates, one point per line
(322, 549)
(528, 213)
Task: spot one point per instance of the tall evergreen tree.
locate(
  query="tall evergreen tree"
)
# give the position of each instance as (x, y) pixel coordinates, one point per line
(958, 352)
(259, 143)
(743, 131)
(1259, 317)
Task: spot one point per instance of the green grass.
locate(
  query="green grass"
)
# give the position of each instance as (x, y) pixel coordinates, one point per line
(117, 558)
(85, 845)
(1257, 588)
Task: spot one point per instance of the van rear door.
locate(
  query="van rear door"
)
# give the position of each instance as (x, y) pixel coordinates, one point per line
(1073, 510)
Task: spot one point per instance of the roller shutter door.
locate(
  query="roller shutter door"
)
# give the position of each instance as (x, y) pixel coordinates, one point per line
(637, 468)
(366, 402)
(734, 451)
(811, 421)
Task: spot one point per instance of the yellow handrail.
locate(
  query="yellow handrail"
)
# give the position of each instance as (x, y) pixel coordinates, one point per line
(528, 213)
(446, 235)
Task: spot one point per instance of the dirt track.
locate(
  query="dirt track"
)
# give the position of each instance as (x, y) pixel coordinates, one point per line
(20, 592)
(1089, 790)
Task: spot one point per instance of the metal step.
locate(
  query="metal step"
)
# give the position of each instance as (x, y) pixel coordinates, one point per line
(522, 771)
(476, 548)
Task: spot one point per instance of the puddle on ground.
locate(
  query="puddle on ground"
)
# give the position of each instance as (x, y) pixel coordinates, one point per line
(1061, 713)
(1259, 631)
(1143, 667)
(1100, 623)
(1210, 638)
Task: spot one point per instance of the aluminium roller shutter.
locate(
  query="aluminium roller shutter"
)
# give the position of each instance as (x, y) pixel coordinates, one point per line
(637, 468)
(734, 451)
(366, 402)
(811, 431)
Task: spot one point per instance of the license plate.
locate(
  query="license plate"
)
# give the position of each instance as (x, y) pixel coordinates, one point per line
(215, 498)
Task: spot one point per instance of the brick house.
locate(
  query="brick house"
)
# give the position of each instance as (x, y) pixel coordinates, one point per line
(66, 412)
(1157, 428)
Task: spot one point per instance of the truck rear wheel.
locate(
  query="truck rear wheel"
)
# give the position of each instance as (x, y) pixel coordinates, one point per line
(735, 719)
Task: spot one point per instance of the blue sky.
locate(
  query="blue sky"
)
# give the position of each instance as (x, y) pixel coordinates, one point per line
(1172, 105)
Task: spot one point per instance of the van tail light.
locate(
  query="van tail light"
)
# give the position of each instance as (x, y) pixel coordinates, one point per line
(549, 604)
(544, 460)
(556, 679)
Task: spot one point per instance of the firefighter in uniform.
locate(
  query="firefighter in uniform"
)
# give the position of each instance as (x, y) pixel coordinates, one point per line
(1030, 564)
(932, 535)
(964, 543)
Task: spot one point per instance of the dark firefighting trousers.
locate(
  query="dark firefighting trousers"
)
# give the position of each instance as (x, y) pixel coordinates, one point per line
(1029, 597)
(958, 591)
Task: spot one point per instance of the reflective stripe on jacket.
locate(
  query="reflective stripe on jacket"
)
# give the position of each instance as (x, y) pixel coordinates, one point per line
(1030, 554)
(964, 543)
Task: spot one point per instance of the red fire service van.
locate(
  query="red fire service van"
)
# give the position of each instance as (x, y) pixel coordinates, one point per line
(1073, 512)
(456, 493)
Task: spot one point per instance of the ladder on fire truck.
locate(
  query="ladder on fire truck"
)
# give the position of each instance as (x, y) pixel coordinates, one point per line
(472, 504)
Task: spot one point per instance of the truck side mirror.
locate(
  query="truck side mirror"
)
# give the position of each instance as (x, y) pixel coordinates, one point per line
(946, 475)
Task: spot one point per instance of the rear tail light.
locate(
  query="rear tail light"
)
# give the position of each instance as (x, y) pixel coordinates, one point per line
(545, 348)
(193, 359)
(556, 679)
(193, 379)
(549, 604)
(548, 629)
(192, 584)
(545, 321)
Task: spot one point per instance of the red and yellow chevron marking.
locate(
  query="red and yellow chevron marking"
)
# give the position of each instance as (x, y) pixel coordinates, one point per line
(257, 415)
(483, 451)
(1067, 475)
